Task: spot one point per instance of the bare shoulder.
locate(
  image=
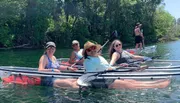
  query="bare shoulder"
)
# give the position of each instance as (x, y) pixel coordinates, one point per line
(54, 57)
(115, 54)
(43, 58)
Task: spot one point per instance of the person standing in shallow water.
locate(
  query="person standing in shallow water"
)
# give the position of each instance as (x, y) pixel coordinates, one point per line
(48, 63)
(76, 55)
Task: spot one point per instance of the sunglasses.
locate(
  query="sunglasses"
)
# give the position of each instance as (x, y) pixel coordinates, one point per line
(51, 47)
(117, 45)
(91, 48)
(74, 44)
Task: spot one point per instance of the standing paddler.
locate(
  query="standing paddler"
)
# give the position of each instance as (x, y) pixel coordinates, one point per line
(138, 36)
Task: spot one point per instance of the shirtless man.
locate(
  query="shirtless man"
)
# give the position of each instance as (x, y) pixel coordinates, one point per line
(138, 36)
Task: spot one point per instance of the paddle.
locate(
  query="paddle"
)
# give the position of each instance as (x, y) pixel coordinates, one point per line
(138, 61)
(85, 79)
(114, 34)
(143, 45)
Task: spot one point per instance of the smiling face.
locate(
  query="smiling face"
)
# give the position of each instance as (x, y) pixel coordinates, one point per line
(50, 50)
(118, 46)
(75, 46)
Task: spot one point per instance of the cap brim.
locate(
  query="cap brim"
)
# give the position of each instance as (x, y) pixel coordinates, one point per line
(50, 46)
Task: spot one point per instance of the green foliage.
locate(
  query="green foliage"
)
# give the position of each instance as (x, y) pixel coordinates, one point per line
(178, 21)
(5, 37)
(38, 21)
(164, 23)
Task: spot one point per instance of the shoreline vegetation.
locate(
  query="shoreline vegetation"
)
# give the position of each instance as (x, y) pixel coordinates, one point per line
(31, 23)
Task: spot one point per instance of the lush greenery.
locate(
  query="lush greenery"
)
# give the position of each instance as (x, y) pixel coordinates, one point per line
(33, 22)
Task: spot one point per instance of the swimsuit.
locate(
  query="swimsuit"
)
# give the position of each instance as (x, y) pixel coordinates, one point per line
(78, 54)
(48, 81)
(123, 57)
(101, 83)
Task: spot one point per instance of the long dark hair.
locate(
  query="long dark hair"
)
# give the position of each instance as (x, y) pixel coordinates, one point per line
(111, 48)
(85, 55)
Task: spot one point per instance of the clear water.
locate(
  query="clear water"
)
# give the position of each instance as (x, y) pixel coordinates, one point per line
(39, 94)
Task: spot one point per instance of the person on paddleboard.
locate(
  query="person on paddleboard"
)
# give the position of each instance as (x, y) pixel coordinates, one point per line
(94, 62)
(76, 55)
(138, 36)
(121, 57)
(48, 63)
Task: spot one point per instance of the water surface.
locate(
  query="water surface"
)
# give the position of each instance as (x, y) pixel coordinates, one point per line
(39, 94)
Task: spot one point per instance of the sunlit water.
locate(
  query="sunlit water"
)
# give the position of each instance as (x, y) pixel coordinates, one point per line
(39, 94)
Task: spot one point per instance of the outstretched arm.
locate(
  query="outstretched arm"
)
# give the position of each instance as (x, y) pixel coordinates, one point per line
(62, 67)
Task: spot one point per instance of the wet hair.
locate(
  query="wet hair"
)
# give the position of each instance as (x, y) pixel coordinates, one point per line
(111, 48)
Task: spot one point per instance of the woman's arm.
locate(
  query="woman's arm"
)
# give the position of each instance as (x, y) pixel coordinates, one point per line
(72, 58)
(114, 58)
(62, 67)
(135, 56)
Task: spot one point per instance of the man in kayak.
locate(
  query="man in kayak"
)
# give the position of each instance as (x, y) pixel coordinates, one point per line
(76, 55)
(94, 62)
(118, 56)
(48, 63)
(138, 36)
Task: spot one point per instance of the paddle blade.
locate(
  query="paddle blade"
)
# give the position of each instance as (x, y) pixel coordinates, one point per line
(85, 79)
(147, 59)
(114, 33)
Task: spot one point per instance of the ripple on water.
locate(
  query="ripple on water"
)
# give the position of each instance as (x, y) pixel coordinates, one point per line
(175, 95)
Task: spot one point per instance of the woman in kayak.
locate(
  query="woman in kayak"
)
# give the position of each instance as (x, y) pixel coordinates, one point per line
(48, 63)
(76, 55)
(120, 56)
(94, 63)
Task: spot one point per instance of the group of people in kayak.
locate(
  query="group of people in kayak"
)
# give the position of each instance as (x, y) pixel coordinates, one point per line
(92, 61)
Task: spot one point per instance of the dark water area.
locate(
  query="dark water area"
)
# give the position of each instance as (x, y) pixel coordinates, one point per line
(39, 94)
